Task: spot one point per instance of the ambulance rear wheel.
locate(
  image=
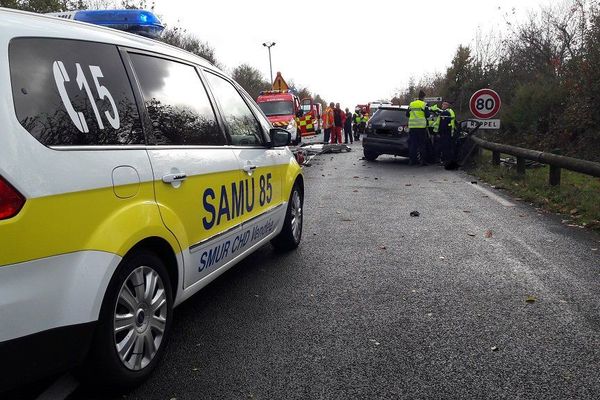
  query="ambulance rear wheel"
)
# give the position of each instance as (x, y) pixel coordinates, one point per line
(291, 234)
(135, 321)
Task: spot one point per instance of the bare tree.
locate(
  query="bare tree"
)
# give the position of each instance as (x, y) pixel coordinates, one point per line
(183, 39)
(250, 79)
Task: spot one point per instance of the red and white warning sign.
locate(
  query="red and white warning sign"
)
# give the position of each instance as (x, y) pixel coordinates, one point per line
(485, 104)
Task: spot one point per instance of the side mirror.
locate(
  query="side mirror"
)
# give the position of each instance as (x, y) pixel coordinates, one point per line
(280, 137)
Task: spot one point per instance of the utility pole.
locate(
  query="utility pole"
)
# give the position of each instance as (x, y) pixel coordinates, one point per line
(268, 45)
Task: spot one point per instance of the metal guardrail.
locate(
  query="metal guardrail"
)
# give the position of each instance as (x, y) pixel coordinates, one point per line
(555, 161)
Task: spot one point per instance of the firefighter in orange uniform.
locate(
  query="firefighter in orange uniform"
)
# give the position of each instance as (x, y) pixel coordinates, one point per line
(328, 122)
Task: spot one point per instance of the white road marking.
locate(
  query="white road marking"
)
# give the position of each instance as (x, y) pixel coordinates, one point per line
(61, 389)
(492, 195)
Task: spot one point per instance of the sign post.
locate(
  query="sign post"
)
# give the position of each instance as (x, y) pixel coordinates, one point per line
(484, 105)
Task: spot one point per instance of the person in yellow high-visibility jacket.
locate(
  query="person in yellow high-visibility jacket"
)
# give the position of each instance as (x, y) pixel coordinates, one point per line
(364, 118)
(417, 114)
(356, 117)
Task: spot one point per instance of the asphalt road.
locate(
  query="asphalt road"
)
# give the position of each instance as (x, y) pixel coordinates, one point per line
(377, 304)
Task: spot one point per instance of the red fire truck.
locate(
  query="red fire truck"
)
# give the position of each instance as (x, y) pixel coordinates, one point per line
(281, 107)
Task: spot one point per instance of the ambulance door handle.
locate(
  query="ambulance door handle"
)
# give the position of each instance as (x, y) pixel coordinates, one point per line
(171, 178)
(249, 169)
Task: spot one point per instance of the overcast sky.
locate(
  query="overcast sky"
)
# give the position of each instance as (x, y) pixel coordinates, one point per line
(347, 51)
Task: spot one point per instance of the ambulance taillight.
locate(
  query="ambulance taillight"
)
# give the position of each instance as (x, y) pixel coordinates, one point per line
(11, 201)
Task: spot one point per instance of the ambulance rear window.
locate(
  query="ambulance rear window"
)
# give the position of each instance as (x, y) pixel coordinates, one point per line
(73, 93)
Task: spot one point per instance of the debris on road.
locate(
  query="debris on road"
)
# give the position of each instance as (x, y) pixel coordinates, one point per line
(488, 234)
(442, 258)
(494, 348)
(530, 299)
(375, 342)
(408, 184)
(323, 148)
(466, 211)
(382, 247)
(471, 234)
(474, 182)
(414, 214)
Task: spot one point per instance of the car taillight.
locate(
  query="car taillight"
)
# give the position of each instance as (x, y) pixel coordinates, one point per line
(11, 201)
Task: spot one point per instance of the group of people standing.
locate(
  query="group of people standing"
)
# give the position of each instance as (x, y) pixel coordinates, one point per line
(335, 121)
(441, 128)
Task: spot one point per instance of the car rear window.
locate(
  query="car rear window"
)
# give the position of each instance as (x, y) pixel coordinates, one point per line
(391, 115)
(70, 92)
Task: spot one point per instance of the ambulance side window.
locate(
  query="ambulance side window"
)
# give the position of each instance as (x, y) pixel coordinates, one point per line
(243, 127)
(73, 93)
(177, 103)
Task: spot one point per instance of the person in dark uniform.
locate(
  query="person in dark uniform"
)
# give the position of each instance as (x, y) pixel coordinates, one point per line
(447, 125)
(348, 127)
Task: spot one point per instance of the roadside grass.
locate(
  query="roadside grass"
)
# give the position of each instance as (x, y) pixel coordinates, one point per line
(577, 196)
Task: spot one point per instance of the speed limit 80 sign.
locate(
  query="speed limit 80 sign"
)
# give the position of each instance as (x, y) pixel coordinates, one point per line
(485, 103)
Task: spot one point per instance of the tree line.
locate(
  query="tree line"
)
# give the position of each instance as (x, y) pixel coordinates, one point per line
(249, 77)
(545, 69)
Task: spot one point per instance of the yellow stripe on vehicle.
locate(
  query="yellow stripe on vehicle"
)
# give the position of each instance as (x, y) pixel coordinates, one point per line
(203, 206)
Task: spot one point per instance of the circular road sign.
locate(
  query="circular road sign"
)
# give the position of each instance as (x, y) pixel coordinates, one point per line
(485, 103)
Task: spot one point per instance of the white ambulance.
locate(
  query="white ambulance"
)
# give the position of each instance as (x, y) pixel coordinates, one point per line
(132, 174)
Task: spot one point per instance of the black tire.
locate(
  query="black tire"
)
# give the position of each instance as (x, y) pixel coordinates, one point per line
(370, 155)
(291, 234)
(104, 363)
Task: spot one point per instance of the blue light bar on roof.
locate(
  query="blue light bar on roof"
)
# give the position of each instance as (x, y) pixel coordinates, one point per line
(141, 22)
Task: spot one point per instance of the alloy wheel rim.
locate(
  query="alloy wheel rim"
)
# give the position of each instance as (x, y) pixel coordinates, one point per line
(296, 216)
(140, 318)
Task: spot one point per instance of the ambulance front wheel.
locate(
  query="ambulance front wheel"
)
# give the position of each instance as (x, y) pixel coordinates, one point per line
(135, 321)
(291, 234)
